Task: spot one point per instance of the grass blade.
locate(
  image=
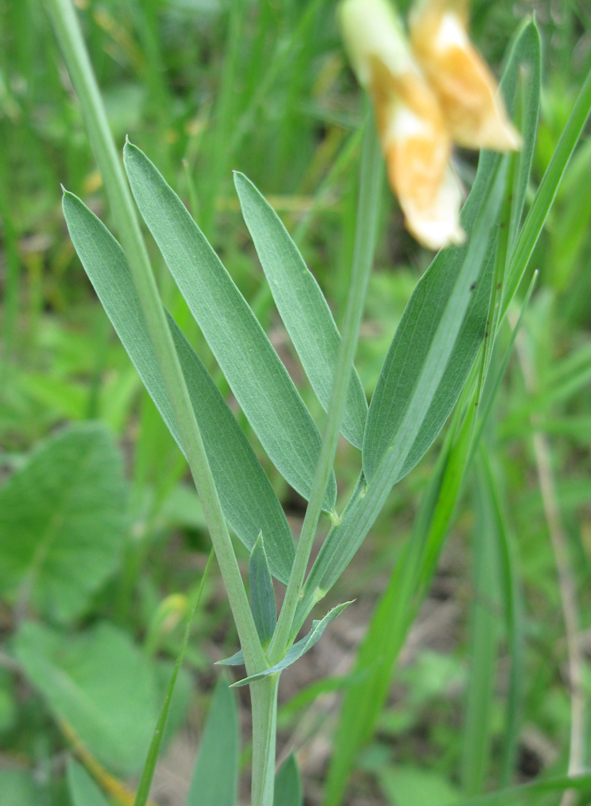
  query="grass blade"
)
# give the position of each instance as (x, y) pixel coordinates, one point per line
(215, 777)
(546, 193)
(365, 694)
(302, 306)
(516, 794)
(513, 610)
(483, 645)
(524, 98)
(259, 380)
(145, 783)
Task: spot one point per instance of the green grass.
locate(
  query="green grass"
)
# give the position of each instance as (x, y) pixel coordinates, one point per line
(264, 89)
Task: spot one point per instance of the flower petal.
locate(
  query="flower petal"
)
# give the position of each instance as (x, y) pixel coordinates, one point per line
(436, 225)
(410, 123)
(467, 90)
(372, 31)
(417, 148)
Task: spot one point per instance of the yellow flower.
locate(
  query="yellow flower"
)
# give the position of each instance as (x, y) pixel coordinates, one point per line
(425, 97)
(411, 125)
(467, 90)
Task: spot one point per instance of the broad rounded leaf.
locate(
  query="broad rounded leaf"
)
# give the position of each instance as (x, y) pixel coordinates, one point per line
(100, 684)
(18, 788)
(83, 789)
(62, 520)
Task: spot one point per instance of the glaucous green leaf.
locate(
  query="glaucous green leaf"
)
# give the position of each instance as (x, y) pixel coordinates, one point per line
(435, 343)
(260, 382)
(237, 659)
(288, 784)
(247, 498)
(378, 652)
(262, 595)
(400, 449)
(100, 684)
(296, 651)
(84, 791)
(444, 323)
(302, 306)
(62, 522)
(215, 777)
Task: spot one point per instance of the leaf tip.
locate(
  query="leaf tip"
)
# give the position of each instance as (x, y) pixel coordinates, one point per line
(239, 179)
(129, 148)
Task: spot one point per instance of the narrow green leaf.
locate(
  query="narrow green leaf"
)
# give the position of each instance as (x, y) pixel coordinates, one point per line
(364, 697)
(83, 790)
(546, 193)
(436, 342)
(288, 784)
(143, 790)
(444, 322)
(483, 645)
(215, 777)
(302, 306)
(247, 498)
(298, 649)
(62, 522)
(409, 582)
(522, 90)
(514, 621)
(344, 539)
(516, 794)
(494, 382)
(260, 382)
(237, 659)
(262, 595)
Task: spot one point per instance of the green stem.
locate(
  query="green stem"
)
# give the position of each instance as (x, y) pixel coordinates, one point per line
(365, 238)
(76, 57)
(264, 729)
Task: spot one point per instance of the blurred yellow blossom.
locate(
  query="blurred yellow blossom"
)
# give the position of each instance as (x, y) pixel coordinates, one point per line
(419, 115)
(467, 90)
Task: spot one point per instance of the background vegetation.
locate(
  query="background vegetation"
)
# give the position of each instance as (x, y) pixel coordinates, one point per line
(486, 686)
